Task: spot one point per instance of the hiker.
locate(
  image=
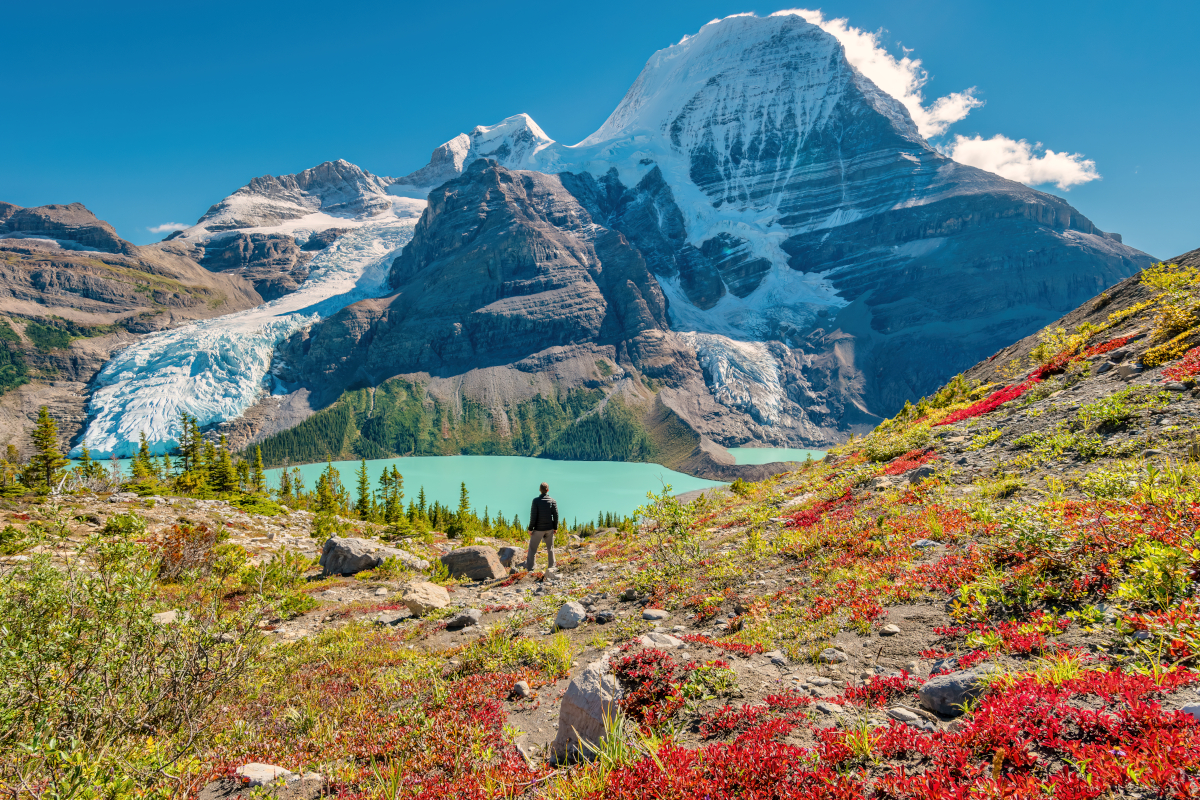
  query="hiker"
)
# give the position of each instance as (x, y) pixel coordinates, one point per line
(543, 522)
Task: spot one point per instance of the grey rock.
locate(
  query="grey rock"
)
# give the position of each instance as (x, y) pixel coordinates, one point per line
(832, 656)
(521, 689)
(169, 617)
(605, 616)
(655, 614)
(903, 714)
(829, 708)
(944, 694)
(889, 630)
(1192, 710)
(381, 592)
(506, 555)
(662, 641)
(921, 473)
(1129, 370)
(1105, 367)
(352, 555)
(819, 681)
(593, 694)
(421, 598)
(777, 658)
(1176, 386)
(122, 497)
(570, 615)
(479, 563)
(465, 619)
(923, 543)
(1150, 453)
(629, 594)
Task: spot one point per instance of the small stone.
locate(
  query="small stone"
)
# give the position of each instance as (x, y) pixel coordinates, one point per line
(923, 543)
(889, 630)
(1141, 636)
(381, 592)
(256, 774)
(570, 615)
(1151, 453)
(678, 629)
(655, 614)
(831, 656)
(777, 658)
(521, 689)
(1105, 367)
(829, 708)
(629, 594)
(605, 616)
(903, 714)
(820, 681)
(911, 667)
(1176, 386)
(921, 473)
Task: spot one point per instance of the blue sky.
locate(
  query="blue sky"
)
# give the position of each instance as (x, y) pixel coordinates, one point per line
(150, 112)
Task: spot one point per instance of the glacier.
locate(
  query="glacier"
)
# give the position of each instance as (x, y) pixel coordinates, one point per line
(215, 369)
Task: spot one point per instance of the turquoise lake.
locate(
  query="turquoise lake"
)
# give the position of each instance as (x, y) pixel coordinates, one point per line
(583, 489)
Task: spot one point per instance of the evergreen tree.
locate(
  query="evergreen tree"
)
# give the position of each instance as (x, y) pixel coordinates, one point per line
(331, 495)
(243, 474)
(142, 466)
(285, 485)
(258, 478)
(46, 461)
(421, 500)
(85, 466)
(363, 506)
(164, 467)
(223, 474)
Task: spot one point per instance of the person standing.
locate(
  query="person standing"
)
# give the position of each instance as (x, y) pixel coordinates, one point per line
(543, 522)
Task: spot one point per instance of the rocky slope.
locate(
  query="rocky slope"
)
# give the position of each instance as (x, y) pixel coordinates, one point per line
(992, 593)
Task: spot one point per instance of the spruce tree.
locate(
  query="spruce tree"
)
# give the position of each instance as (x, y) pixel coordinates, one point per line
(285, 485)
(223, 473)
(46, 461)
(363, 506)
(258, 478)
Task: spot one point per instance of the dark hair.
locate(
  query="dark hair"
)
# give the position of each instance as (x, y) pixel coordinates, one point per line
(545, 488)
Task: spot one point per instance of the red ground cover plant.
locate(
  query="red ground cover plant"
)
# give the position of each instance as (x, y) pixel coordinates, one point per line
(992, 401)
(1179, 627)
(910, 460)
(650, 678)
(1185, 368)
(1107, 347)
(811, 516)
(737, 648)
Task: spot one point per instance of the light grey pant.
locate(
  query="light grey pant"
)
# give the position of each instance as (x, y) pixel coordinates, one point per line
(536, 538)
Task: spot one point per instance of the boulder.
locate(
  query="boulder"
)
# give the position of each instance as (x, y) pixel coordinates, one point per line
(570, 615)
(921, 473)
(478, 563)
(945, 694)
(507, 554)
(591, 695)
(902, 714)
(350, 555)
(421, 598)
(655, 614)
(465, 619)
(889, 630)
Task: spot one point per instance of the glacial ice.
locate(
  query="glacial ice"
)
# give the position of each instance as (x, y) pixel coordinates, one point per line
(215, 369)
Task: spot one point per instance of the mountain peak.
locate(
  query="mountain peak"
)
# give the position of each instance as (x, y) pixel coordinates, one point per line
(71, 225)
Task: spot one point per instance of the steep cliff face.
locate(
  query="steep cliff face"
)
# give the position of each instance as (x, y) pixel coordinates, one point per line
(503, 265)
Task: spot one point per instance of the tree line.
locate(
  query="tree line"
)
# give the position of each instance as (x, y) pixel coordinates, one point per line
(204, 468)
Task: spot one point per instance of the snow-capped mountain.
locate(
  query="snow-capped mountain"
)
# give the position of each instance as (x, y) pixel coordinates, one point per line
(818, 260)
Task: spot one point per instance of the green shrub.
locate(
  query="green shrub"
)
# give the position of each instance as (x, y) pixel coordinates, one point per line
(126, 526)
(88, 673)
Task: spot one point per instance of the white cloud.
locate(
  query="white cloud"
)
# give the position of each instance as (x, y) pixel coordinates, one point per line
(168, 226)
(1016, 161)
(902, 78)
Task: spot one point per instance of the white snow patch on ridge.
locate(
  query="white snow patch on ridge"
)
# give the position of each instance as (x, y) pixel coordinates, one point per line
(216, 369)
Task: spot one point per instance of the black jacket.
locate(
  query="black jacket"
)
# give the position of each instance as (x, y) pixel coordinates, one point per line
(543, 514)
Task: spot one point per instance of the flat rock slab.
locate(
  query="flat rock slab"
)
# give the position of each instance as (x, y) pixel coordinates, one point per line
(655, 614)
(421, 598)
